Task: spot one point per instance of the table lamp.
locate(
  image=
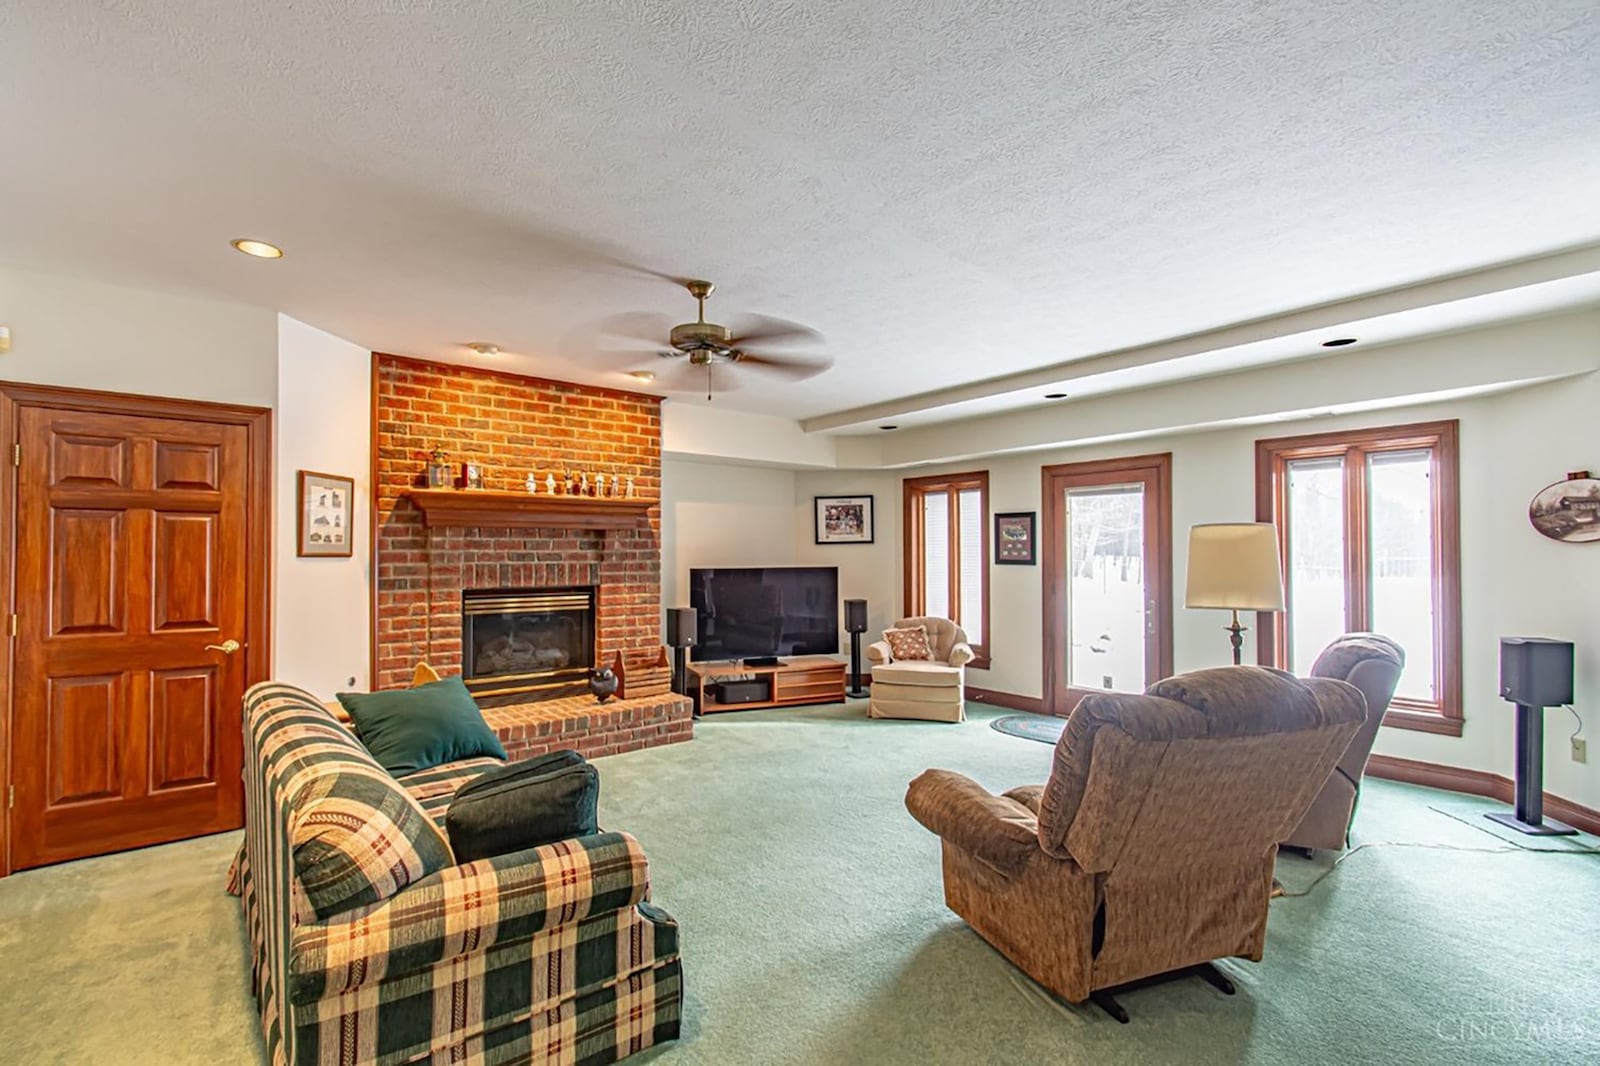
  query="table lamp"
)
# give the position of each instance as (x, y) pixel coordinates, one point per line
(1234, 566)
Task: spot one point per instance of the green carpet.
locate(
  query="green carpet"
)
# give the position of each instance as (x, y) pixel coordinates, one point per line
(814, 929)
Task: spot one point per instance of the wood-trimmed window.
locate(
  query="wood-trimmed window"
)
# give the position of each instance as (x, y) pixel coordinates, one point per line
(947, 553)
(1369, 526)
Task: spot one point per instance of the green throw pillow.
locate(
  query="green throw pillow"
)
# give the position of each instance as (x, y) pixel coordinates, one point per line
(412, 729)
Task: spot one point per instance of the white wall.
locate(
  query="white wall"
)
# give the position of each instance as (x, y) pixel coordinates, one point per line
(1514, 581)
(91, 335)
(715, 514)
(324, 423)
(868, 572)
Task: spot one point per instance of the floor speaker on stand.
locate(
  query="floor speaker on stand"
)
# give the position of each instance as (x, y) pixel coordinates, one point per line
(855, 623)
(1535, 673)
(681, 625)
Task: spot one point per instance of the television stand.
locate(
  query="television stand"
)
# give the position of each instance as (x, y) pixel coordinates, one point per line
(761, 660)
(800, 679)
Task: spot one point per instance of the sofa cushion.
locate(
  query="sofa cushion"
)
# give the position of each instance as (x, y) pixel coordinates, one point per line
(537, 801)
(908, 644)
(915, 672)
(413, 729)
(355, 836)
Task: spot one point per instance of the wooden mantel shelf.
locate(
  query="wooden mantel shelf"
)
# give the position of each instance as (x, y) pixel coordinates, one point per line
(519, 510)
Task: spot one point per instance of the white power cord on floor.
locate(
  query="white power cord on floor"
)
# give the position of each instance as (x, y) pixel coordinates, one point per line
(1286, 894)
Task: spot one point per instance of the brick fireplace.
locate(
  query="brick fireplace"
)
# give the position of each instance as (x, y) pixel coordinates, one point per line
(432, 563)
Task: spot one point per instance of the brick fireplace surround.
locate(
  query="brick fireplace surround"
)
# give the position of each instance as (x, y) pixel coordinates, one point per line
(512, 425)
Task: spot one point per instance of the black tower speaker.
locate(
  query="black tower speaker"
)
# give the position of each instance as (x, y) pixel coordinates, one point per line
(681, 625)
(855, 622)
(1535, 673)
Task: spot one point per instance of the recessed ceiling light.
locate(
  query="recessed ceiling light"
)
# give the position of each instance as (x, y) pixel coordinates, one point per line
(642, 375)
(259, 249)
(1338, 342)
(484, 348)
(1055, 396)
(888, 427)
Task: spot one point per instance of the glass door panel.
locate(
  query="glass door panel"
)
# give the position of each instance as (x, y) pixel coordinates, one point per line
(1316, 592)
(1106, 535)
(1106, 594)
(1400, 512)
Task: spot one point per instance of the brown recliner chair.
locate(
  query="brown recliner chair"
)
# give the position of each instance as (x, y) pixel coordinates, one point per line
(1150, 849)
(1373, 664)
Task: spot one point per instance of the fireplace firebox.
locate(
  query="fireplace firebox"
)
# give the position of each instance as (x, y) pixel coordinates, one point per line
(538, 643)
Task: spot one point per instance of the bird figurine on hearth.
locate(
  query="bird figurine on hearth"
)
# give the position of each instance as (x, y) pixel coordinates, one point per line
(603, 683)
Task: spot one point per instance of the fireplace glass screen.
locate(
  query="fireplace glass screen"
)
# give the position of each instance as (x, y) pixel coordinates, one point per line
(537, 641)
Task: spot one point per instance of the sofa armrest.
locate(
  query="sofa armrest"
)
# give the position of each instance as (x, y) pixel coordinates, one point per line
(961, 654)
(464, 909)
(1000, 831)
(878, 652)
(1027, 795)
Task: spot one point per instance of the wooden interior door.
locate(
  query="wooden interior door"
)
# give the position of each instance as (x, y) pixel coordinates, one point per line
(130, 658)
(1107, 577)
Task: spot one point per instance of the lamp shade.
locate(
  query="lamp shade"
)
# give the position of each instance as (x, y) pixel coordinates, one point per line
(1234, 565)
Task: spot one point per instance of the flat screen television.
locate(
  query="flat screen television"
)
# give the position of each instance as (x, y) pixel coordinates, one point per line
(766, 610)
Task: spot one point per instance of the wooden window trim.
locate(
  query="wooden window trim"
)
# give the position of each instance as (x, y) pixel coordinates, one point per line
(1443, 438)
(913, 489)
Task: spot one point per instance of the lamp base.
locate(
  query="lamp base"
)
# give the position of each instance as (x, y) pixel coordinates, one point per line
(1236, 637)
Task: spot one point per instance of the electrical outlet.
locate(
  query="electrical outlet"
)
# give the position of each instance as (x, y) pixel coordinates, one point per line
(1580, 750)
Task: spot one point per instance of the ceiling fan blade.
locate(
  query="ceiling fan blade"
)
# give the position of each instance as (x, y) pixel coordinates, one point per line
(651, 327)
(793, 367)
(764, 329)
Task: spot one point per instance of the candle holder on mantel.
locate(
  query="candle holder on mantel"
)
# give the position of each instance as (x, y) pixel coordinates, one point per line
(440, 472)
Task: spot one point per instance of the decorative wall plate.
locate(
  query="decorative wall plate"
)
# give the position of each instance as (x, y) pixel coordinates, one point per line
(1568, 510)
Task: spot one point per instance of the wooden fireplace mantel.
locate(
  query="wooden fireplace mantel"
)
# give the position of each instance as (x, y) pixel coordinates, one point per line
(520, 510)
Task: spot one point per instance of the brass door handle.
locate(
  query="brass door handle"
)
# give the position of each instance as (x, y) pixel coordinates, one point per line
(227, 647)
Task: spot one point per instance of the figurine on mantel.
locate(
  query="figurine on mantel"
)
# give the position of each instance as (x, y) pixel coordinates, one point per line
(533, 483)
(583, 485)
(600, 484)
(630, 486)
(550, 484)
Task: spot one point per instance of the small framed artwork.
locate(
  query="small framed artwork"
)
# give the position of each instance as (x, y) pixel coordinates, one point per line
(327, 511)
(844, 519)
(1014, 542)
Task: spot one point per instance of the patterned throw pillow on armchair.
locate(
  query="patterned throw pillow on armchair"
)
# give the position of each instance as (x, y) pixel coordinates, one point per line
(909, 643)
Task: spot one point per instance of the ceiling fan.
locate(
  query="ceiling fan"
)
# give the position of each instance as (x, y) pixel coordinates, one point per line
(705, 344)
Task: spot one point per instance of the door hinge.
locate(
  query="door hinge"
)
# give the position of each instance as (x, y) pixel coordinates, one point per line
(13, 625)
(16, 455)
(11, 796)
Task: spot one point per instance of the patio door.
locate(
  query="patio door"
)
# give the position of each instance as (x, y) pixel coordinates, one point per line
(1107, 531)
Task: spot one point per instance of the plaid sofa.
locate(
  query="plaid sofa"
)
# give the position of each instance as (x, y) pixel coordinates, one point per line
(369, 945)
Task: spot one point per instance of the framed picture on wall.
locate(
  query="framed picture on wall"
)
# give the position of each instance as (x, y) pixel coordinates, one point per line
(844, 519)
(326, 506)
(1014, 541)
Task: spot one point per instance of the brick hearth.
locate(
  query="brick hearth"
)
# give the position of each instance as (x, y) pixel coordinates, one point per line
(512, 425)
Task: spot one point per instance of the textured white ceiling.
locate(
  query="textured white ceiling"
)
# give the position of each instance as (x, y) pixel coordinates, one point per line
(949, 192)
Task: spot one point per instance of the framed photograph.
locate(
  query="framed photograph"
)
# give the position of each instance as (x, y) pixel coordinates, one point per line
(1014, 541)
(327, 510)
(844, 519)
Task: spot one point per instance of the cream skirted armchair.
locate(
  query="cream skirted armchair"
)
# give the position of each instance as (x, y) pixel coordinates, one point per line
(1150, 849)
(930, 689)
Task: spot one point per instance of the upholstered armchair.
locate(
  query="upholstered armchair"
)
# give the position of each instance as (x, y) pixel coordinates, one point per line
(1150, 849)
(1373, 664)
(930, 689)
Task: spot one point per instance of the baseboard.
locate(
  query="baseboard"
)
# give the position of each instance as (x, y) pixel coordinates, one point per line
(1477, 783)
(1009, 700)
